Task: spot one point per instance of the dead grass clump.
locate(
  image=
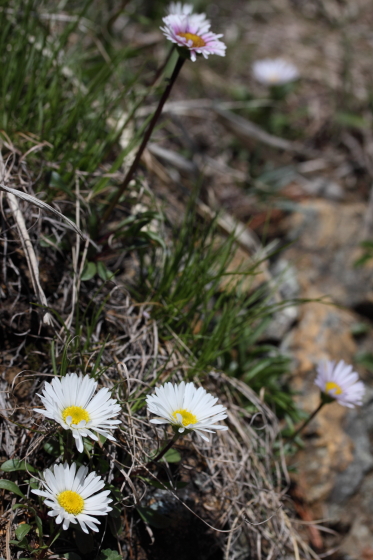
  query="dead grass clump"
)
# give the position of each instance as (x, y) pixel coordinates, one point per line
(224, 498)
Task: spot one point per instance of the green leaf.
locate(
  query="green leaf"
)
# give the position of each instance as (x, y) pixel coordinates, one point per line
(11, 487)
(72, 556)
(56, 181)
(115, 521)
(17, 465)
(359, 329)
(89, 271)
(52, 447)
(115, 491)
(115, 525)
(172, 456)
(39, 525)
(102, 271)
(367, 244)
(153, 237)
(363, 260)
(34, 483)
(88, 445)
(20, 544)
(115, 512)
(85, 543)
(350, 120)
(365, 359)
(22, 531)
(109, 554)
(103, 465)
(153, 518)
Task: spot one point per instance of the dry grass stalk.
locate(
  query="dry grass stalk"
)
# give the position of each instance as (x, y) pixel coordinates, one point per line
(235, 483)
(30, 255)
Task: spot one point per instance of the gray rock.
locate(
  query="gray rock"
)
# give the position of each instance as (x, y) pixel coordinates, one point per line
(285, 283)
(323, 187)
(359, 423)
(326, 244)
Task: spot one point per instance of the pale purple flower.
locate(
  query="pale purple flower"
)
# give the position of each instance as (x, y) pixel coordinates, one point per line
(275, 71)
(340, 382)
(186, 408)
(179, 9)
(192, 31)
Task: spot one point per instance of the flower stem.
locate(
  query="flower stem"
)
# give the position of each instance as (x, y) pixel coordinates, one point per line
(149, 130)
(165, 449)
(51, 540)
(162, 67)
(161, 453)
(68, 446)
(307, 421)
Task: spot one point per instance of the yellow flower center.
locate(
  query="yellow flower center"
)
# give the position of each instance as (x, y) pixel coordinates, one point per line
(196, 40)
(330, 385)
(273, 78)
(187, 417)
(71, 502)
(77, 414)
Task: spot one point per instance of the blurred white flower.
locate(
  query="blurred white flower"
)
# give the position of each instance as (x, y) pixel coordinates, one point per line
(69, 402)
(186, 408)
(69, 494)
(179, 9)
(275, 71)
(340, 382)
(192, 31)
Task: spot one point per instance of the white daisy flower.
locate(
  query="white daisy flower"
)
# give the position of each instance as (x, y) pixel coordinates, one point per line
(340, 382)
(272, 72)
(70, 495)
(179, 9)
(69, 402)
(192, 31)
(186, 408)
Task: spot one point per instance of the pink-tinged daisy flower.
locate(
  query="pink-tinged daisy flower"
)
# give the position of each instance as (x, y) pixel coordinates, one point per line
(273, 72)
(179, 9)
(193, 33)
(340, 382)
(186, 408)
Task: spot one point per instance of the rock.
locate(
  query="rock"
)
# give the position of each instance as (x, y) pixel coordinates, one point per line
(333, 471)
(326, 246)
(285, 282)
(359, 542)
(323, 331)
(323, 187)
(328, 451)
(348, 481)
